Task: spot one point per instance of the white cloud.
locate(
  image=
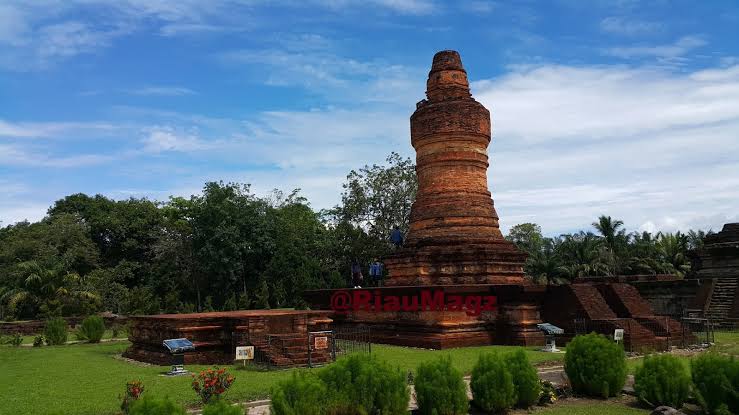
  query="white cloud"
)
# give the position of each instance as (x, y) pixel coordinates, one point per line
(162, 91)
(647, 146)
(162, 139)
(340, 78)
(13, 26)
(50, 129)
(478, 6)
(628, 26)
(665, 52)
(15, 155)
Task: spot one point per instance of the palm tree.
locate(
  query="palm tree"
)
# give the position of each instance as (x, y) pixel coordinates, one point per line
(695, 239)
(582, 255)
(673, 249)
(45, 288)
(615, 237)
(609, 229)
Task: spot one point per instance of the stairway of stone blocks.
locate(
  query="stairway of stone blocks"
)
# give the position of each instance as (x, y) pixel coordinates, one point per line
(286, 350)
(722, 299)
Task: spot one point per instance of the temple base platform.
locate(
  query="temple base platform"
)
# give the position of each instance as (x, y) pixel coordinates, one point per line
(512, 321)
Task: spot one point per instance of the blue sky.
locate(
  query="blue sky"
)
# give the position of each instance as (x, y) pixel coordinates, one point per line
(625, 108)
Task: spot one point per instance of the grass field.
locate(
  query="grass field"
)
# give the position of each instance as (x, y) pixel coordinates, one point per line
(88, 378)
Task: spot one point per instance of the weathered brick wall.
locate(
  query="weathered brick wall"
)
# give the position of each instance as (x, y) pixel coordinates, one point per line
(454, 235)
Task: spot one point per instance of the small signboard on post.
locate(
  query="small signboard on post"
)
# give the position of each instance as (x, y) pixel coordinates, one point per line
(320, 343)
(618, 335)
(244, 353)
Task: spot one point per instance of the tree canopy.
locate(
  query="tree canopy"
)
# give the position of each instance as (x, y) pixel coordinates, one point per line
(228, 249)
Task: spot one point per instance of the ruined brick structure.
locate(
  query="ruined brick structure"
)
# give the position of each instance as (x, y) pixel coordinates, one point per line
(718, 266)
(454, 243)
(280, 337)
(454, 236)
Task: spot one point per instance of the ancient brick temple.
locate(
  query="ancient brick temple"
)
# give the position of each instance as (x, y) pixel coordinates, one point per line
(454, 236)
(454, 244)
(718, 266)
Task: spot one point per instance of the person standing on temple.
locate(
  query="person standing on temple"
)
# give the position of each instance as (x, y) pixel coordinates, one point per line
(396, 237)
(375, 272)
(357, 276)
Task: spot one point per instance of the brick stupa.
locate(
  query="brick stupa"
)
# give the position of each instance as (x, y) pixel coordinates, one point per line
(454, 237)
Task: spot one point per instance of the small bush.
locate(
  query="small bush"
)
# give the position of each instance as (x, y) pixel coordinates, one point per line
(525, 378)
(716, 380)
(303, 394)
(595, 365)
(367, 385)
(154, 406)
(222, 408)
(662, 380)
(39, 340)
(211, 383)
(547, 393)
(14, 340)
(492, 384)
(56, 331)
(440, 389)
(134, 389)
(93, 328)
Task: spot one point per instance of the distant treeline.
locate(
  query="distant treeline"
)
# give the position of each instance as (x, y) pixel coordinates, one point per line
(228, 249)
(225, 249)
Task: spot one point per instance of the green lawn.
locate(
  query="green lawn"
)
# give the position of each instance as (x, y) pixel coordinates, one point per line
(71, 338)
(727, 342)
(87, 379)
(589, 407)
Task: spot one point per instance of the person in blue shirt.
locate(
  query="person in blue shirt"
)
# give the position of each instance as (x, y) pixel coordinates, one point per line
(396, 237)
(375, 272)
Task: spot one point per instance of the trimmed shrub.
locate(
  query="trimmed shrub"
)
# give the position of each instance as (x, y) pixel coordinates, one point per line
(93, 328)
(222, 408)
(367, 385)
(595, 365)
(525, 378)
(55, 331)
(440, 389)
(303, 394)
(149, 405)
(39, 340)
(15, 339)
(492, 384)
(716, 380)
(662, 380)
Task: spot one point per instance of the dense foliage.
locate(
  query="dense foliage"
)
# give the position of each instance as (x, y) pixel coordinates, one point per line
(355, 385)
(610, 251)
(222, 408)
(525, 378)
(134, 389)
(210, 384)
(92, 329)
(440, 388)
(149, 405)
(716, 380)
(492, 384)
(56, 331)
(595, 365)
(662, 380)
(224, 249)
(228, 249)
(366, 385)
(303, 394)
